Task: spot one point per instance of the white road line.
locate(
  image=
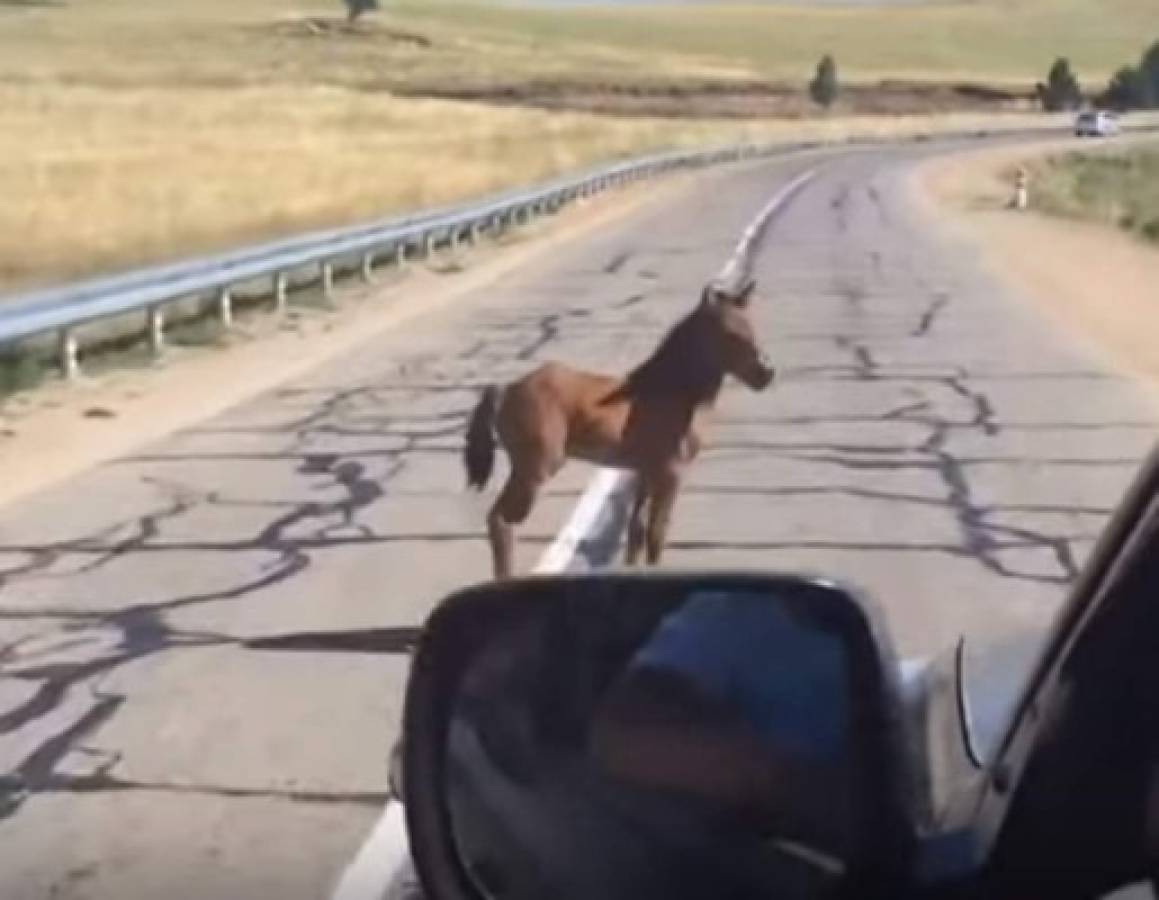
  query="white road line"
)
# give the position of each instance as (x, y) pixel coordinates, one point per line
(744, 247)
(603, 485)
(382, 867)
(382, 870)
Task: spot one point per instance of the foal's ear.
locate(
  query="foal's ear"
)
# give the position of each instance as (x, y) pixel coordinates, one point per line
(742, 297)
(712, 297)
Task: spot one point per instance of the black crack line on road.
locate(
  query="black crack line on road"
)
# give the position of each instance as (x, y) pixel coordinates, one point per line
(926, 322)
(548, 327)
(852, 294)
(1068, 510)
(296, 545)
(945, 548)
(475, 350)
(839, 204)
(290, 456)
(900, 497)
(629, 302)
(982, 539)
(885, 220)
(38, 767)
(367, 640)
(617, 262)
(865, 368)
(144, 529)
(906, 410)
(981, 377)
(104, 783)
(883, 465)
(141, 630)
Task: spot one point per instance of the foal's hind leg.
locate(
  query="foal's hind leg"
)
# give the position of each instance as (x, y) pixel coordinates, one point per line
(511, 508)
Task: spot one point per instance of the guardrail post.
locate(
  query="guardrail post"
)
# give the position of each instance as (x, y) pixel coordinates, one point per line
(280, 286)
(429, 245)
(327, 274)
(69, 350)
(1021, 197)
(225, 308)
(155, 325)
(368, 266)
(400, 255)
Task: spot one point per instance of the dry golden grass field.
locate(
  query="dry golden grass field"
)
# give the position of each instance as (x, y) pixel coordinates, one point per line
(133, 131)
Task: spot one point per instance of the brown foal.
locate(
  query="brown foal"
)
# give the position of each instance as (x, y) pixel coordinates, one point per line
(649, 422)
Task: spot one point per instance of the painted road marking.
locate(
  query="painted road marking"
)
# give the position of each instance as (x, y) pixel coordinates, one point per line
(605, 484)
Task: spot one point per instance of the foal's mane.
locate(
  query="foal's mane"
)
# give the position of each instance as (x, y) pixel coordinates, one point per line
(681, 364)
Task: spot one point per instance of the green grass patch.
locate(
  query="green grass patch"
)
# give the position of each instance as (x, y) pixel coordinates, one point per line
(22, 368)
(1117, 187)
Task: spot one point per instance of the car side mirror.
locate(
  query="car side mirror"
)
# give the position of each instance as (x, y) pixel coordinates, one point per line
(626, 735)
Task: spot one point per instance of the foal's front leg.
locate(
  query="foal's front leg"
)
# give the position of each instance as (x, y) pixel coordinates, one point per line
(663, 490)
(636, 530)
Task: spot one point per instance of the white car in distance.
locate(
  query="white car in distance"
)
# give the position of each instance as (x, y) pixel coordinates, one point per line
(1096, 123)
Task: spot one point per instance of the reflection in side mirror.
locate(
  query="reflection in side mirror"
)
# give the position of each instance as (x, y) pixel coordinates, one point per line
(639, 736)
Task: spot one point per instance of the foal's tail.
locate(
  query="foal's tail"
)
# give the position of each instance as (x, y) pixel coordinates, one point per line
(479, 454)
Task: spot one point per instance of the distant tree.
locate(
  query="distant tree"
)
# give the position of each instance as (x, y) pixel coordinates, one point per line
(824, 87)
(356, 8)
(1135, 87)
(1061, 90)
(1149, 71)
(1126, 90)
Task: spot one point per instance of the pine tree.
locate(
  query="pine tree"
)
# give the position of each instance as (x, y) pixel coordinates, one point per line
(824, 87)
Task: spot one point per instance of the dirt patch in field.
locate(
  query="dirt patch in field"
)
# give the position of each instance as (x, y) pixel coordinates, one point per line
(341, 29)
(727, 99)
(1095, 280)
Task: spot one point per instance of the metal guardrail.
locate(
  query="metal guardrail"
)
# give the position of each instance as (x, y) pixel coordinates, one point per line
(65, 309)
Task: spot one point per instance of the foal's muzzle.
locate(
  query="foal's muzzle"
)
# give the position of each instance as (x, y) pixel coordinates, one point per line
(760, 374)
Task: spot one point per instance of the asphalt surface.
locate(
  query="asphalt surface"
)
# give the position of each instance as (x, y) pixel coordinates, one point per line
(931, 438)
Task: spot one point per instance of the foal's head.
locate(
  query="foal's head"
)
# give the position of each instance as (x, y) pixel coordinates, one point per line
(714, 340)
(729, 337)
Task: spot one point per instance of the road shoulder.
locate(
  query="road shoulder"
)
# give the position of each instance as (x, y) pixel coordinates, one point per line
(1095, 282)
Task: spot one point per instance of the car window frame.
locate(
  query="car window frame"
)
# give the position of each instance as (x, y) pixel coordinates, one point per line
(1118, 549)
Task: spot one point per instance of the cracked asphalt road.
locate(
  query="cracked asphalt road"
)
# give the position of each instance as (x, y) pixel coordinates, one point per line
(930, 438)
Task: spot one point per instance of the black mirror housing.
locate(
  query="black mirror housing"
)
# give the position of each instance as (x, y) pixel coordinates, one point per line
(536, 695)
